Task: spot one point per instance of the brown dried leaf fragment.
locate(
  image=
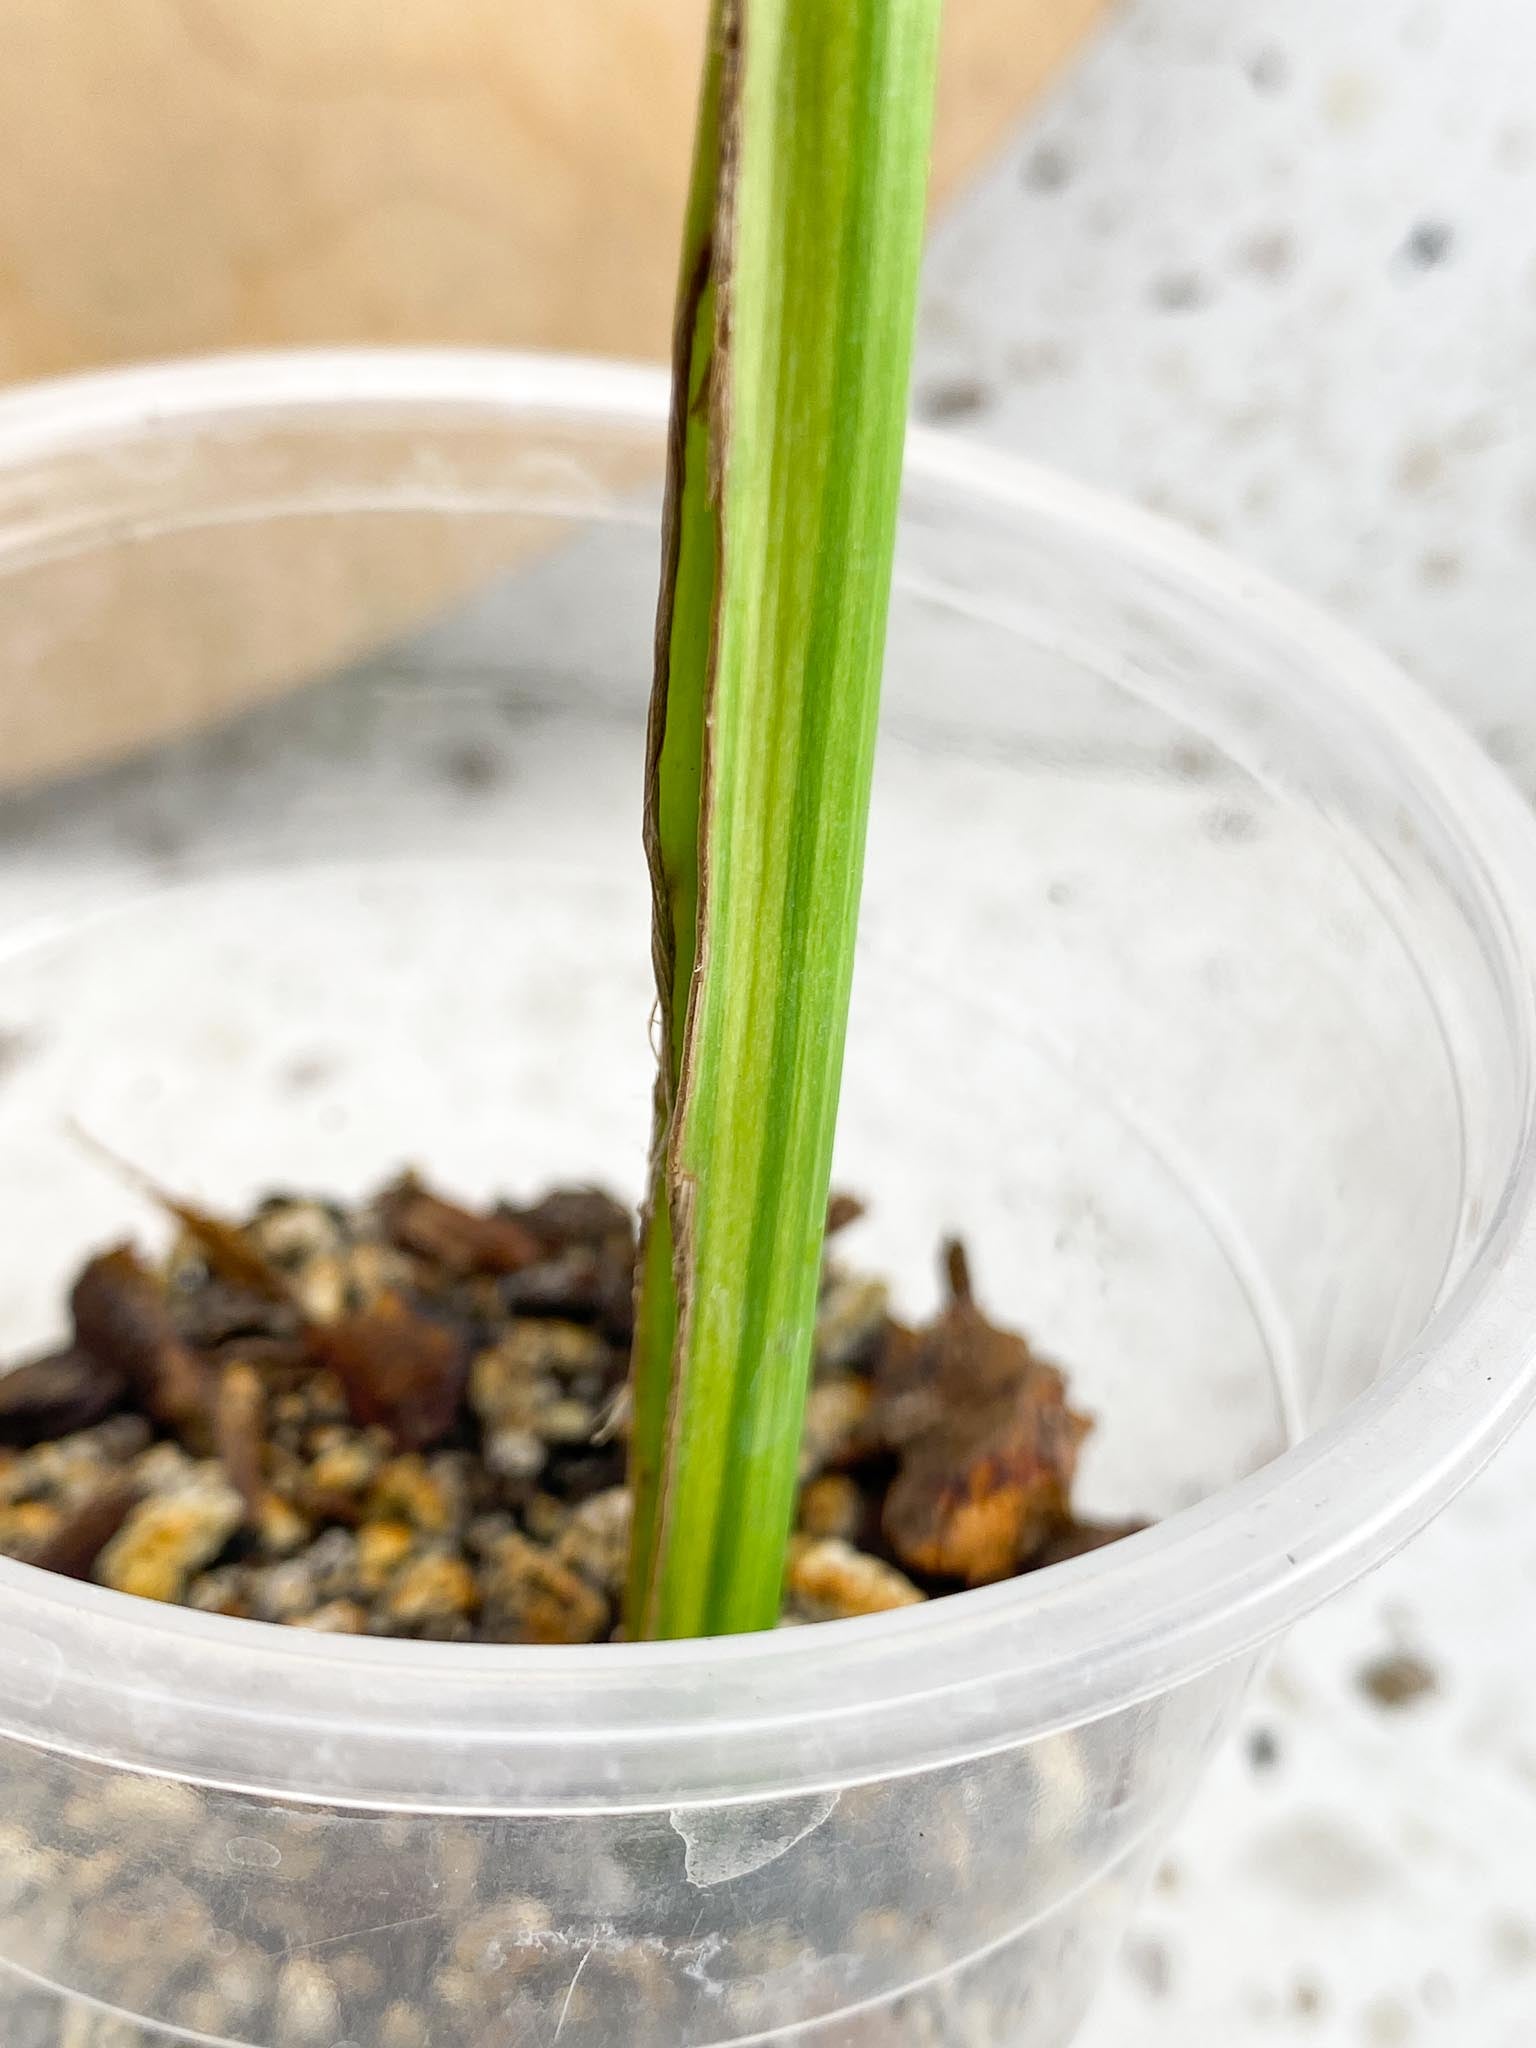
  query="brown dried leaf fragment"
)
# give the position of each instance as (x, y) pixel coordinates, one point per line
(56, 1396)
(399, 1369)
(84, 1530)
(842, 1210)
(123, 1319)
(283, 1362)
(585, 1271)
(581, 1284)
(231, 1254)
(227, 1248)
(570, 1216)
(210, 1311)
(986, 1442)
(455, 1238)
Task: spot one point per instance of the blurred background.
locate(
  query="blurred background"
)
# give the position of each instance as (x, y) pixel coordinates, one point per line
(197, 174)
(1270, 269)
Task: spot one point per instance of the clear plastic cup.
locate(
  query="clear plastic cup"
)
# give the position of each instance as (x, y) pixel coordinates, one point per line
(1195, 990)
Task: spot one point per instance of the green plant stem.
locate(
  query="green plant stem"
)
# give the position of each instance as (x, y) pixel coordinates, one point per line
(793, 346)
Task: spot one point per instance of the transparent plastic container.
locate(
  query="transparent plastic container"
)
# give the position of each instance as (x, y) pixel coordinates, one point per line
(1195, 990)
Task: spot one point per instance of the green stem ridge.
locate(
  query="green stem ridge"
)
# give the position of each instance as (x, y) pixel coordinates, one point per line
(792, 359)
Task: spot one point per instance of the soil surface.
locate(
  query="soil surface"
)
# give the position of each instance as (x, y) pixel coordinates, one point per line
(407, 1418)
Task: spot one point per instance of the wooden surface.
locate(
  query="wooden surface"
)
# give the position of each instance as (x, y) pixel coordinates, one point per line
(184, 175)
(198, 174)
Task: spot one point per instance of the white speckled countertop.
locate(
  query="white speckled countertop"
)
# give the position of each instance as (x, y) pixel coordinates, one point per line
(1272, 269)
